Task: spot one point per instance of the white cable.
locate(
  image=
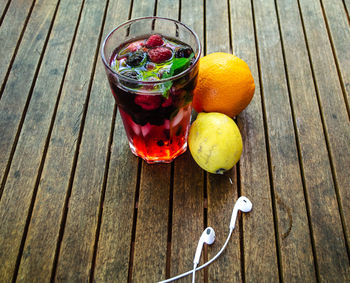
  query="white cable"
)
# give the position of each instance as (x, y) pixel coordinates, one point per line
(194, 273)
(202, 266)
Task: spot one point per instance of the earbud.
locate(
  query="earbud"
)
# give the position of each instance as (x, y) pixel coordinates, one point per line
(207, 237)
(243, 204)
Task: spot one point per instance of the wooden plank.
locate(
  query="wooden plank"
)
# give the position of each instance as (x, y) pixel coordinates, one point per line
(338, 26)
(142, 8)
(38, 256)
(19, 188)
(254, 173)
(347, 6)
(187, 218)
(217, 27)
(149, 261)
(152, 224)
(336, 126)
(10, 33)
(291, 211)
(188, 201)
(3, 8)
(310, 135)
(113, 253)
(190, 8)
(77, 248)
(221, 193)
(16, 91)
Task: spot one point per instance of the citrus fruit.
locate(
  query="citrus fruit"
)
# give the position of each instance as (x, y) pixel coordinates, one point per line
(225, 84)
(215, 142)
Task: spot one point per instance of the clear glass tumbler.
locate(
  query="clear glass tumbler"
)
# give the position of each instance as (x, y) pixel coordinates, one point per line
(156, 114)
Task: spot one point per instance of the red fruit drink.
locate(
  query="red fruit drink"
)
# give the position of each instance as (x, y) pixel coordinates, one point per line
(152, 78)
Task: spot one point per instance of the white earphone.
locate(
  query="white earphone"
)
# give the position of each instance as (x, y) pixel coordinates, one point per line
(243, 204)
(208, 236)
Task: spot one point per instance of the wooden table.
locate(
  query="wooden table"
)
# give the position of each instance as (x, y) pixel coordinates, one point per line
(77, 206)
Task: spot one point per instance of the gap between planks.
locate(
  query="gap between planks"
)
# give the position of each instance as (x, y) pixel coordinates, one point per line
(268, 151)
(325, 132)
(4, 11)
(19, 256)
(4, 179)
(297, 141)
(17, 45)
(335, 58)
(76, 155)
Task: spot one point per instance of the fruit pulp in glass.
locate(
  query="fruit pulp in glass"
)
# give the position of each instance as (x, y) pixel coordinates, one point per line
(156, 116)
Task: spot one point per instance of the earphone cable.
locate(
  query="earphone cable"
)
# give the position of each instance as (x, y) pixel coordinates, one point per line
(194, 273)
(201, 266)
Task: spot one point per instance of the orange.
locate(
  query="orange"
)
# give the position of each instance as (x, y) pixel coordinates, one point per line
(225, 84)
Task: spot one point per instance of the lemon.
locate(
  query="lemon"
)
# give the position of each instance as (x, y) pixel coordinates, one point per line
(215, 142)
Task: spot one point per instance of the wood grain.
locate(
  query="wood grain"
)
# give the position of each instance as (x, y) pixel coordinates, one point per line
(197, 22)
(152, 223)
(19, 188)
(258, 233)
(152, 220)
(311, 138)
(291, 212)
(77, 205)
(338, 26)
(336, 127)
(221, 193)
(113, 253)
(87, 191)
(188, 202)
(17, 91)
(3, 9)
(10, 33)
(53, 190)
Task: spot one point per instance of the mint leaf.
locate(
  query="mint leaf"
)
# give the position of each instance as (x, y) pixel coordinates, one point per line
(167, 85)
(180, 64)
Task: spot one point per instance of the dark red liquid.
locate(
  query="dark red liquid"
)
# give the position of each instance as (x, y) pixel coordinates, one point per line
(156, 124)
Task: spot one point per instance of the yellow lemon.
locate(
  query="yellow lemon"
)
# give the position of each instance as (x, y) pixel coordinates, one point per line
(215, 142)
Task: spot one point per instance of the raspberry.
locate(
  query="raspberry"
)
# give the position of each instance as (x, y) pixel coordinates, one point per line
(159, 54)
(154, 40)
(135, 46)
(148, 102)
(168, 102)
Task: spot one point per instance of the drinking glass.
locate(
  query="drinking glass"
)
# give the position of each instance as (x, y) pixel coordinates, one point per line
(156, 114)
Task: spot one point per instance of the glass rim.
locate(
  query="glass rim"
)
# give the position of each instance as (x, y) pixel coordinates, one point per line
(125, 78)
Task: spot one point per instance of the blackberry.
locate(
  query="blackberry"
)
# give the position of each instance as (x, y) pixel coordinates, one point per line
(140, 118)
(183, 52)
(135, 58)
(132, 75)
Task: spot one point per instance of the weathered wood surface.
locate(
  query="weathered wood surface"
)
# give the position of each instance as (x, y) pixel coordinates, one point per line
(77, 206)
(286, 179)
(54, 188)
(20, 189)
(259, 239)
(337, 23)
(12, 26)
(221, 193)
(188, 201)
(117, 200)
(18, 90)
